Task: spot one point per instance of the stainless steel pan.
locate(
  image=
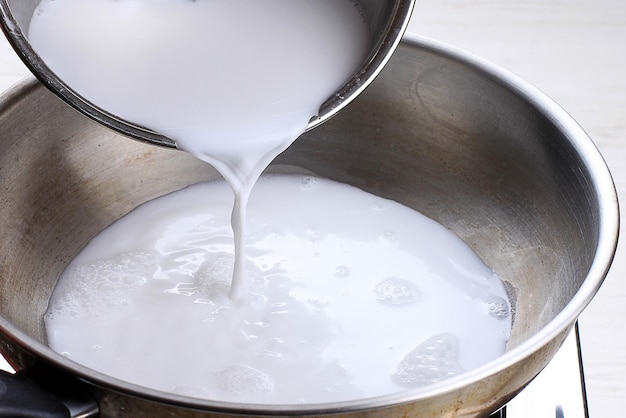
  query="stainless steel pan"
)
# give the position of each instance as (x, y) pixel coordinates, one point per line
(467, 144)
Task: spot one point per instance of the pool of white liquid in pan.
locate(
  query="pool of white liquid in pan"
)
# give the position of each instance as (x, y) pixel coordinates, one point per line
(347, 295)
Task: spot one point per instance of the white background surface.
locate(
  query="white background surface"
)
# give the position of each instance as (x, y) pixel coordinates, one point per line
(575, 51)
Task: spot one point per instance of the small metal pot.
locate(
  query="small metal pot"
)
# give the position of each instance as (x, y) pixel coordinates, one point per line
(387, 20)
(461, 141)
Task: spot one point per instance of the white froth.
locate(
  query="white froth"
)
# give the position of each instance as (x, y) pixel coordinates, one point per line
(433, 361)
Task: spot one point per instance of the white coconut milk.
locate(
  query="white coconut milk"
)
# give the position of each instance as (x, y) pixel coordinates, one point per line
(349, 296)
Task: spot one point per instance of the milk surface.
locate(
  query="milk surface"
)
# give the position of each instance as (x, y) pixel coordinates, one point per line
(348, 296)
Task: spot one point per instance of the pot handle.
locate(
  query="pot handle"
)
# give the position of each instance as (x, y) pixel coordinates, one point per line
(43, 392)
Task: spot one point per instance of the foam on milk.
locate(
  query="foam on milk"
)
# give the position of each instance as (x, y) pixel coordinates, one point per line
(349, 296)
(233, 82)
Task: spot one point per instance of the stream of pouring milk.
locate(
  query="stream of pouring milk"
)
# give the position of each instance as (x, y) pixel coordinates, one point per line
(343, 295)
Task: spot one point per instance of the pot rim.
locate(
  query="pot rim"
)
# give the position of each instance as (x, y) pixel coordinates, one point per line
(608, 224)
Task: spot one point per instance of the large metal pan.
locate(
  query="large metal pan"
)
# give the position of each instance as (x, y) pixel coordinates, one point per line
(465, 143)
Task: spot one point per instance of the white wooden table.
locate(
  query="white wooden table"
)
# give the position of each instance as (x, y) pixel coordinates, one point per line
(575, 51)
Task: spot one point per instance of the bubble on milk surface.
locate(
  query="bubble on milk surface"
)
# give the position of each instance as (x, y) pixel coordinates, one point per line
(388, 237)
(102, 287)
(394, 291)
(215, 275)
(341, 272)
(309, 182)
(434, 360)
(497, 307)
(378, 206)
(242, 381)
